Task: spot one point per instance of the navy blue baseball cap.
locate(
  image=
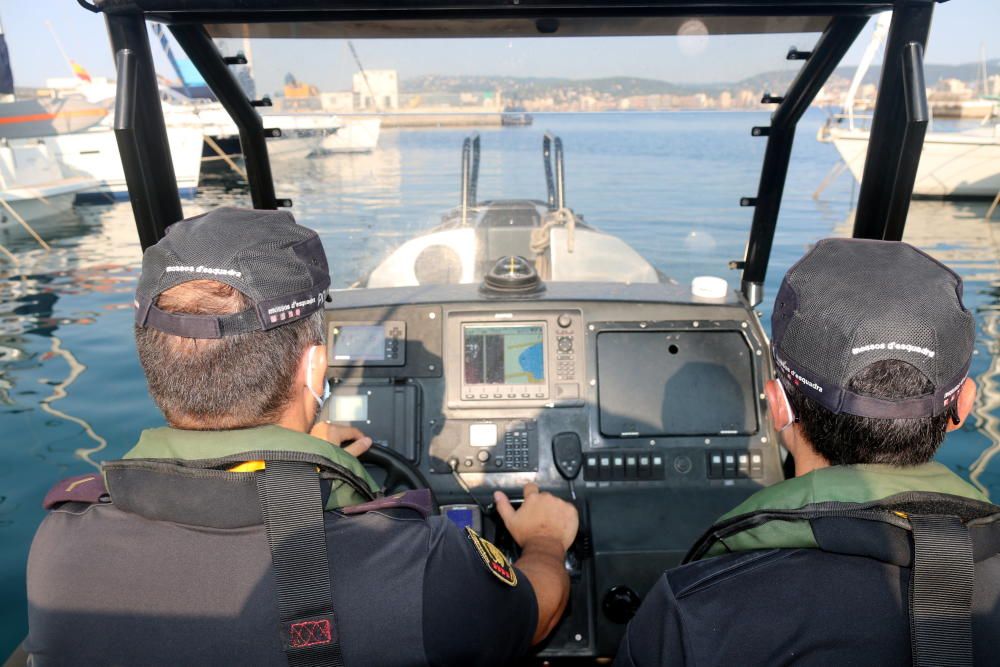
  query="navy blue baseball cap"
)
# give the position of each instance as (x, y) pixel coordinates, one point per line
(278, 264)
(849, 303)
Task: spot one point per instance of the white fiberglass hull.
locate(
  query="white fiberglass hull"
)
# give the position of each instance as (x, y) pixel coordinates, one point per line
(292, 148)
(94, 155)
(952, 164)
(356, 136)
(41, 200)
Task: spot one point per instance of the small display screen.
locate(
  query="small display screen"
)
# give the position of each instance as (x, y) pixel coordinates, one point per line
(461, 517)
(504, 355)
(483, 435)
(359, 342)
(348, 408)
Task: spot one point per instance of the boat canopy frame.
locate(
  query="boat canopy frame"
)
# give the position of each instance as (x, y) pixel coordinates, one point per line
(895, 141)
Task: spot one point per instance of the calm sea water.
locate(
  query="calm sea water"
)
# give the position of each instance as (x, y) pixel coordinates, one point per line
(72, 392)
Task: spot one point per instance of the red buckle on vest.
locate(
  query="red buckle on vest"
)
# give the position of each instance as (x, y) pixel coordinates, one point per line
(310, 633)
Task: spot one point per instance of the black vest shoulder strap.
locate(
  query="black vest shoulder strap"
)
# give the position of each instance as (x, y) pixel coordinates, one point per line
(943, 565)
(292, 506)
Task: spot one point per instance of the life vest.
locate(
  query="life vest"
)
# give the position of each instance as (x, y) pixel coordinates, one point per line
(288, 496)
(939, 536)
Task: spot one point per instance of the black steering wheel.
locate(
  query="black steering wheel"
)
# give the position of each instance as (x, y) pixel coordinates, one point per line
(400, 472)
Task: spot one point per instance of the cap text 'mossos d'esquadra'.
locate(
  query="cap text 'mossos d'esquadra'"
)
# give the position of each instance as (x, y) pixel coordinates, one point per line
(204, 269)
(905, 347)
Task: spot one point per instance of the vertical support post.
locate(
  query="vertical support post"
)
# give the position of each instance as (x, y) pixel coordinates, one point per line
(911, 21)
(466, 176)
(560, 175)
(141, 132)
(917, 117)
(823, 59)
(199, 47)
(550, 188)
(474, 177)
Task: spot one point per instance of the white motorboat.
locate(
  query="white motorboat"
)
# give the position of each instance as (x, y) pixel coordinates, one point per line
(952, 164)
(32, 184)
(93, 154)
(356, 135)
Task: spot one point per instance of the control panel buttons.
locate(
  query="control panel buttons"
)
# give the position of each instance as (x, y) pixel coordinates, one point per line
(564, 321)
(564, 344)
(735, 464)
(624, 466)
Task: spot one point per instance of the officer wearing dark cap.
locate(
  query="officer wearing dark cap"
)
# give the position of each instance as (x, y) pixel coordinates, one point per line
(872, 554)
(242, 534)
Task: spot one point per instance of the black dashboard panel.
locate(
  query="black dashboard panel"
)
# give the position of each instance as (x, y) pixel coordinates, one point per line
(675, 382)
(669, 440)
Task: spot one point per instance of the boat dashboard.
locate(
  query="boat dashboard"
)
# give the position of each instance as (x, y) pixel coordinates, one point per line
(640, 405)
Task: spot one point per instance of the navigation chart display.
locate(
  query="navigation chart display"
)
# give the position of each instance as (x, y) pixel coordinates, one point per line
(512, 356)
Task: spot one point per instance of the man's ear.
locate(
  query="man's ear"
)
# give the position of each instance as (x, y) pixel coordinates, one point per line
(313, 376)
(777, 406)
(966, 399)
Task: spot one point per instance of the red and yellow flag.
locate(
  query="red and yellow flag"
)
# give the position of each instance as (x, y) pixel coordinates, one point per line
(79, 71)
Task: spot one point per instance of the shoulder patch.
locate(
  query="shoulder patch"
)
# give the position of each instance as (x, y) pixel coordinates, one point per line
(493, 558)
(79, 489)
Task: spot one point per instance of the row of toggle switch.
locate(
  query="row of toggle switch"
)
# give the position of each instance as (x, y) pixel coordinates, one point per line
(735, 464)
(624, 466)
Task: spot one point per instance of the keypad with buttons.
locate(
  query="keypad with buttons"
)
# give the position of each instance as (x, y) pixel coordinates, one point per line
(517, 450)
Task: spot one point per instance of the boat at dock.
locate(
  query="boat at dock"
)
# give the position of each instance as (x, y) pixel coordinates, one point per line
(964, 164)
(33, 185)
(952, 164)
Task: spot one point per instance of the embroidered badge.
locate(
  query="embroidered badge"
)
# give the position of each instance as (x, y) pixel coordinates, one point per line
(493, 558)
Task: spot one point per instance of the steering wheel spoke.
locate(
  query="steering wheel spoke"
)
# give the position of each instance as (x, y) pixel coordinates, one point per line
(400, 473)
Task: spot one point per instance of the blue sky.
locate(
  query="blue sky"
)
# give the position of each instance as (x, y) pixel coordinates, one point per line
(960, 29)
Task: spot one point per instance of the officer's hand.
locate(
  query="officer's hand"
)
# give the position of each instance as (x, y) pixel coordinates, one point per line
(336, 435)
(541, 515)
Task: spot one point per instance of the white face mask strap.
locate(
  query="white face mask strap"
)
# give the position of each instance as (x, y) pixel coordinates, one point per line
(309, 372)
(788, 407)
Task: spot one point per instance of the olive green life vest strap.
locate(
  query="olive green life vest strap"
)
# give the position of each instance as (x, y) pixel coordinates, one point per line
(943, 569)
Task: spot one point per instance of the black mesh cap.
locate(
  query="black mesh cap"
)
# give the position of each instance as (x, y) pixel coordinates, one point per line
(277, 263)
(849, 303)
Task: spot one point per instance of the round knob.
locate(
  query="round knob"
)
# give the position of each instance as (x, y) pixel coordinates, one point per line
(483, 456)
(565, 344)
(620, 604)
(564, 321)
(498, 462)
(468, 463)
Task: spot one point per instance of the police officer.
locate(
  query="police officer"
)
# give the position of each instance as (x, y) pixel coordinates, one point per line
(872, 554)
(210, 543)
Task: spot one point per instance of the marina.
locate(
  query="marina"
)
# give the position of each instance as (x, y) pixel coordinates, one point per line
(535, 314)
(74, 395)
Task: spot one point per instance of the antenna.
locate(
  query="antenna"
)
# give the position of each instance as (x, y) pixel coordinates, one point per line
(364, 75)
(48, 24)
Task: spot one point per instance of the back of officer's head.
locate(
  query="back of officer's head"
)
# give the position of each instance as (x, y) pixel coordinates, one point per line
(872, 345)
(227, 305)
